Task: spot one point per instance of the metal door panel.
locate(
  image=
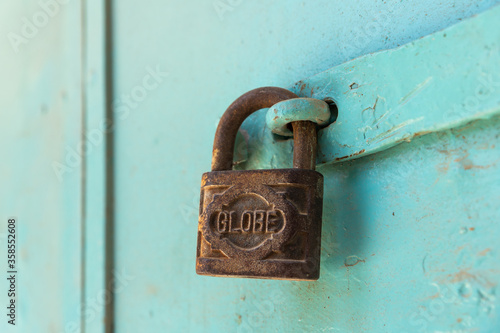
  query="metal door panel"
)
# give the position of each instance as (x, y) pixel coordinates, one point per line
(380, 271)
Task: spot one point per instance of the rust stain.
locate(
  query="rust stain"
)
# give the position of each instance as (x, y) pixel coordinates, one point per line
(463, 275)
(152, 290)
(460, 248)
(415, 135)
(302, 87)
(443, 167)
(436, 295)
(479, 278)
(358, 153)
(372, 108)
(464, 127)
(472, 166)
(423, 217)
(485, 146)
(349, 156)
(460, 159)
(435, 182)
(421, 133)
(484, 252)
(448, 151)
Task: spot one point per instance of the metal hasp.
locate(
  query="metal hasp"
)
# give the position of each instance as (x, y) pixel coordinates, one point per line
(261, 223)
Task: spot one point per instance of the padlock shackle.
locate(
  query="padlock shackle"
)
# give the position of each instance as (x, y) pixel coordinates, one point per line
(305, 135)
(305, 143)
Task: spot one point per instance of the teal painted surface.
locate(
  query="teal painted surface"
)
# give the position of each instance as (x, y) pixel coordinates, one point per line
(441, 81)
(410, 241)
(427, 268)
(40, 169)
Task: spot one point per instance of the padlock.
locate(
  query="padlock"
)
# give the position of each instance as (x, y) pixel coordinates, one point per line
(261, 223)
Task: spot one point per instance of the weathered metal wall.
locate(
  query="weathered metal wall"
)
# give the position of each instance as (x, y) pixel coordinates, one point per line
(409, 234)
(41, 165)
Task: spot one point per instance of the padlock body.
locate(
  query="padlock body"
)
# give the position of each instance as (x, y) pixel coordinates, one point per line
(260, 224)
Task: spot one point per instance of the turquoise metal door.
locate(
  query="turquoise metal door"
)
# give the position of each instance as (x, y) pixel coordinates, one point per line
(409, 233)
(412, 182)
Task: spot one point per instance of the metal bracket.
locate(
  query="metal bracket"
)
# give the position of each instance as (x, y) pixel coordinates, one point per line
(441, 81)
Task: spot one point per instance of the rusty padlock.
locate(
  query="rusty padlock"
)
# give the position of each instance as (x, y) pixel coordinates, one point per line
(261, 223)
